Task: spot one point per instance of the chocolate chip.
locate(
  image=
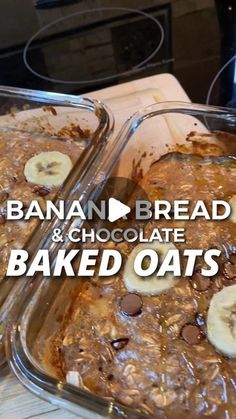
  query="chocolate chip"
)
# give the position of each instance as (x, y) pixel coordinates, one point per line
(191, 334)
(131, 304)
(41, 190)
(200, 282)
(232, 258)
(119, 343)
(229, 270)
(110, 377)
(200, 320)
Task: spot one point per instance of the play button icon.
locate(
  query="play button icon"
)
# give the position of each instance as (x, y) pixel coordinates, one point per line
(116, 210)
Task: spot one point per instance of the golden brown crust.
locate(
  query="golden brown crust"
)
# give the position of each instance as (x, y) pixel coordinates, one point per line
(159, 360)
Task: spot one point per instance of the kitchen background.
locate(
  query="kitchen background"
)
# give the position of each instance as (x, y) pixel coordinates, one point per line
(49, 44)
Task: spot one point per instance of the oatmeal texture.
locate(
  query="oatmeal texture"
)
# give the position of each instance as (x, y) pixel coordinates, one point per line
(151, 353)
(16, 148)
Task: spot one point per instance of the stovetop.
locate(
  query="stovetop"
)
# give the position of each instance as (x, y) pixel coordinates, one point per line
(76, 46)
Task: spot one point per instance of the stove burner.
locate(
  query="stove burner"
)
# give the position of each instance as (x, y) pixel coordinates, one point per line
(208, 98)
(134, 69)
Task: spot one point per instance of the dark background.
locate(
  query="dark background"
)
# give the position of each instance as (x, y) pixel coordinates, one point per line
(75, 55)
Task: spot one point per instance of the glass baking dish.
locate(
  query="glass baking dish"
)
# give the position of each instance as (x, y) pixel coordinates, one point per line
(42, 307)
(55, 117)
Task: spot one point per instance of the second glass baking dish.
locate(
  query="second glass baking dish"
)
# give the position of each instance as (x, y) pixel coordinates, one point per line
(54, 118)
(42, 308)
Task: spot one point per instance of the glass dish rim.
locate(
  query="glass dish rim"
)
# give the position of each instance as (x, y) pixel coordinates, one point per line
(103, 131)
(45, 386)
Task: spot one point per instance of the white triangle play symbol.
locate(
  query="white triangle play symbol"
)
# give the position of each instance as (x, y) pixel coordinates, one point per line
(116, 209)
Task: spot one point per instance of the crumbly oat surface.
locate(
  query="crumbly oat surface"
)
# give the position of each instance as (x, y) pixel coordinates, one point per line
(159, 360)
(16, 148)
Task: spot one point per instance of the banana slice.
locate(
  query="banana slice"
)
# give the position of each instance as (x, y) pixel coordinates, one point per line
(232, 203)
(49, 168)
(221, 321)
(151, 285)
